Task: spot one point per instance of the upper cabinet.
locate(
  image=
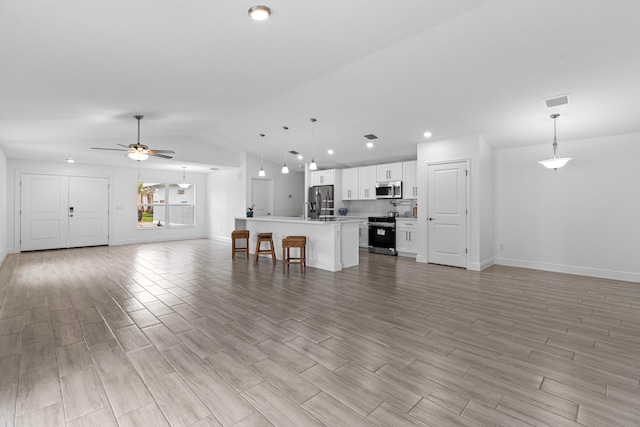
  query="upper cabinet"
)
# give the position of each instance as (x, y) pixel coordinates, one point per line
(389, 172)
(350, 184)
(367, 183)
(409, 180)
(325, 177)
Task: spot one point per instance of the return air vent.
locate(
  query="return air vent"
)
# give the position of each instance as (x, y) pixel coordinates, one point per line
(371, 136)
(555, 101)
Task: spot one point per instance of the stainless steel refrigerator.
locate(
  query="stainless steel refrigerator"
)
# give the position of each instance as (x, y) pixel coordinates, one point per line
(321, 202)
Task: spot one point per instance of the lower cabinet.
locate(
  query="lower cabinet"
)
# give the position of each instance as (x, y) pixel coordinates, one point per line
(407, 237)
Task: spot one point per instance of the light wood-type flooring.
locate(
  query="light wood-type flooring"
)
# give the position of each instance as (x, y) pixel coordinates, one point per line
(180, 334)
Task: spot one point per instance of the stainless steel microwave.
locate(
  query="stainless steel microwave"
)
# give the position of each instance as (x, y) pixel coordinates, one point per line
(389, 190)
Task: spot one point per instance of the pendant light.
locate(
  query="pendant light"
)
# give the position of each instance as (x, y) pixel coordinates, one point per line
(261, 173)
(184, 184)
(313, 166)
(555, 162)
(285, 169)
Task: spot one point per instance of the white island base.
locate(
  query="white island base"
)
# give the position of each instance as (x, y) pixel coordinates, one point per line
(331, 245)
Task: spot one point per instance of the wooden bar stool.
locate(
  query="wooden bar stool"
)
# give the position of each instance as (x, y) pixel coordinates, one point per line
(236, 235)
(266, 238)
(295, 242)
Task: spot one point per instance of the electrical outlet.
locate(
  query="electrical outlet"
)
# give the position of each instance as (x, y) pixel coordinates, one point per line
(501, 246)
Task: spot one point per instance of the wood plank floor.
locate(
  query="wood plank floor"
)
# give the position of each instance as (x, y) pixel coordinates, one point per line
(180, 334)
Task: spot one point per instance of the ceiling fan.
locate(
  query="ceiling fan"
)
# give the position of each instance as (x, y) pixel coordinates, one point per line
(139, 151)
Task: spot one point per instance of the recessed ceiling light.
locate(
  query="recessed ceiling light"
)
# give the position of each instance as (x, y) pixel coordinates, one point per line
(259, 13)
(330, 151)
(70, 160)
(300, 157)
(427, 134)
(369, 144)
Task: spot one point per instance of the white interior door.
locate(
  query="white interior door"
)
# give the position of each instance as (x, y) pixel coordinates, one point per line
(61, 212)
(88, 211)
(262, 196)
(43, 212)
(447, 213)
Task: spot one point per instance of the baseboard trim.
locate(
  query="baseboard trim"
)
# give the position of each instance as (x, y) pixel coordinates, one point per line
(570, 269)
(3, 256)
(219, 238)
(155, 240)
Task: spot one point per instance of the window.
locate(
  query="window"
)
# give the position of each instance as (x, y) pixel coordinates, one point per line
(165, 205)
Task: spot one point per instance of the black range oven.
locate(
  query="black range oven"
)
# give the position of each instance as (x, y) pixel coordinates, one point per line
(382, 235)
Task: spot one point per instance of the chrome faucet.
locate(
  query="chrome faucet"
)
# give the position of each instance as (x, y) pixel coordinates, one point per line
(305, 215)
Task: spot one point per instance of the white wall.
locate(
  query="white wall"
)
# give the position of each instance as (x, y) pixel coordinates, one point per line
(226, 199)
(122, 200)
(288, 188)
(582, 219)
(4, 206)
(456, 149)
(230, 194)
(486, 196)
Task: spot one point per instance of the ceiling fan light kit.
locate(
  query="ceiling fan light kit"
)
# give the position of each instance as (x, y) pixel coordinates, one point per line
(555, 162)
(138, 156)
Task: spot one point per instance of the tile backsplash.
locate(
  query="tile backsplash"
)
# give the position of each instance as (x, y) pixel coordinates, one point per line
(379, 207)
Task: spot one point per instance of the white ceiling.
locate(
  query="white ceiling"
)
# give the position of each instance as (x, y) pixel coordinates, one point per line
(209, 80)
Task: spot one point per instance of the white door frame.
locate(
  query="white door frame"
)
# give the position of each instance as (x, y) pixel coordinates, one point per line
(17, 203)
(467, 162)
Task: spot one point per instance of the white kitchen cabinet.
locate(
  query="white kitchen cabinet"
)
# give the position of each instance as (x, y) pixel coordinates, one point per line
(367, 183)
(389, 172)
(409, 180)
(350, 181)
(406, 237)
(363, 237)
(324, 177)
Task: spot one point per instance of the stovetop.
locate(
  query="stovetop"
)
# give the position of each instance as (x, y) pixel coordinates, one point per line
(386, 219)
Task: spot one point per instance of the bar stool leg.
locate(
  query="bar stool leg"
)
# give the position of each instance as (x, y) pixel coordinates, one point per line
(273, 252)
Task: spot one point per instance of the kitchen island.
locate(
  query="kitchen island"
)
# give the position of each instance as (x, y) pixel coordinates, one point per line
(331, 245)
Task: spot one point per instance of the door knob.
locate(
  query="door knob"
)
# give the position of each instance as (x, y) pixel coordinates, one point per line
(431, 218)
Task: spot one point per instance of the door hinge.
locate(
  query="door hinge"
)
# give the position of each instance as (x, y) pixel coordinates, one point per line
(466, 251)
(466, 211)
(466, 172)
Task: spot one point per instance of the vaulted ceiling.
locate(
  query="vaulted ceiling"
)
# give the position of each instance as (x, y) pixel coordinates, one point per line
(209, 80)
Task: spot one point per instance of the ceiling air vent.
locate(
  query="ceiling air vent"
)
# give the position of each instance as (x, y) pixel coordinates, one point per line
(294, 152)
(371, 136)
(555, 101)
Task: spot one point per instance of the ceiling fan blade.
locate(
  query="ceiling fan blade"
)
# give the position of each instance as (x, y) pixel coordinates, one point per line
(122, 145)
(162, 151)
(160, 155)
(110, 149)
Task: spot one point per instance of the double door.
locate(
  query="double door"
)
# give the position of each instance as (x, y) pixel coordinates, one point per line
(58, 211)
